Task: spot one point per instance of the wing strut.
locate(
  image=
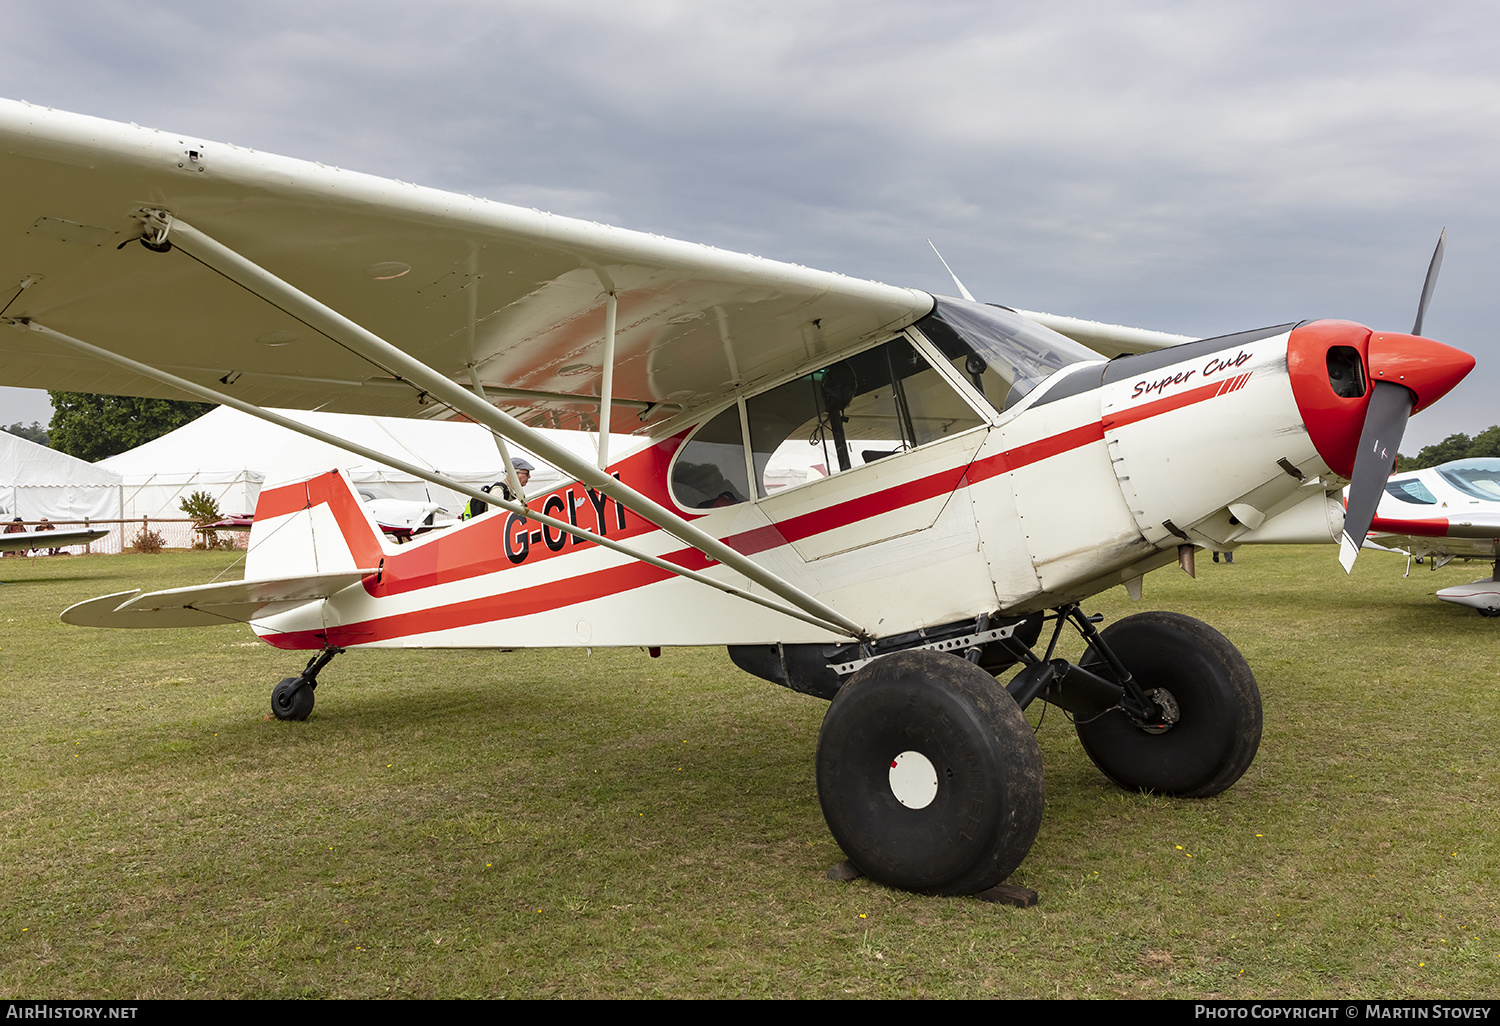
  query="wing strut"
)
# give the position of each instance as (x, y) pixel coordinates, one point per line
(292, 301)
(607, 382)
(510, 505)
(336, 326)
(510, 469)
(835, 623)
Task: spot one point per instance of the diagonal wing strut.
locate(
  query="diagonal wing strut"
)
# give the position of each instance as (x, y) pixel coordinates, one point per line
(340, 329)
(213, 396)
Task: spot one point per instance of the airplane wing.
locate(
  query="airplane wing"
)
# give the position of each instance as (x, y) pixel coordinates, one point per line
(455, 281)
(293, 284)
(57, 539)
(1109, 340)
(208, 605)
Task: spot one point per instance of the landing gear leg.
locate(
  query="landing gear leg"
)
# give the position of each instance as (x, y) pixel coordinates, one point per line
(292, 699)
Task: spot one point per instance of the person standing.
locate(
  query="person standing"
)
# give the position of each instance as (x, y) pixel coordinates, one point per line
(474, 507)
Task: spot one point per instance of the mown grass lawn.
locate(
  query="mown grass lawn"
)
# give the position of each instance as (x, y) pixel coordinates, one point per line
(523, 824)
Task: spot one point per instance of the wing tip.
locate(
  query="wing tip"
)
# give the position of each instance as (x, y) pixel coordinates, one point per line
(96, 612)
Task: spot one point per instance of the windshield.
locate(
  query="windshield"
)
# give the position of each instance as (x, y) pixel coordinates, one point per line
(1004, 354)
(1479, 478)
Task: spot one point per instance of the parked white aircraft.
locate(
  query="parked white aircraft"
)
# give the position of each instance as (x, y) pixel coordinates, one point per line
(980, 474)
(57, 538)
(1442, 513)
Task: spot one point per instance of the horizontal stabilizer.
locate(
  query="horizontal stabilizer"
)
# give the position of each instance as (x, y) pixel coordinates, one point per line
(207, 605)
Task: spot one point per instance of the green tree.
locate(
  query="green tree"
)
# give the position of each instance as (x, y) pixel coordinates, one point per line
(1456, 447)
(1486, 443)
(202, 508)
(91, 427)
(35, 433)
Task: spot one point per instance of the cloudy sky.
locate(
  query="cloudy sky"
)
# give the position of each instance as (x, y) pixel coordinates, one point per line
(1197, 168)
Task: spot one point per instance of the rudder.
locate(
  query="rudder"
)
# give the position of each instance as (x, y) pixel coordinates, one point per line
(316, 525)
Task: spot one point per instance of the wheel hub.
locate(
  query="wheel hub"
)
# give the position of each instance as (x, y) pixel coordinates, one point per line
(914, 780)
(1170, 713)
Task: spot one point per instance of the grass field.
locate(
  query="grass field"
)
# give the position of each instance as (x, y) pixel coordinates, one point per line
(456, 824)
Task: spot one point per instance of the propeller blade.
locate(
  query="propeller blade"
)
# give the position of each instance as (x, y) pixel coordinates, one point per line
(1430, 283)
(1379, 440)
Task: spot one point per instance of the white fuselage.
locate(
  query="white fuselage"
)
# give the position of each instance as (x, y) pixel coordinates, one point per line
(1096, 477)
(1451, 510)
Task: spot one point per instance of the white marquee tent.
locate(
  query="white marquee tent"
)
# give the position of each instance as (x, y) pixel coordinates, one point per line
(37, 482)
(230, 454)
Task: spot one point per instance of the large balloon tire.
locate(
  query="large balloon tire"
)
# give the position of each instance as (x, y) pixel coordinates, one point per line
(1217, 734)
(988, 795)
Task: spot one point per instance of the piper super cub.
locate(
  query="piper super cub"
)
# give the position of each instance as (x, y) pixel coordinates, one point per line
(971, 474)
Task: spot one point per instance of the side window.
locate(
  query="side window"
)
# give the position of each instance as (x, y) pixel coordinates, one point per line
(710, 470)
(859, 410)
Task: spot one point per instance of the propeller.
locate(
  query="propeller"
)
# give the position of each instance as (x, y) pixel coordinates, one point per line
(1429, 284)
(1379, 441)
(1380, 438)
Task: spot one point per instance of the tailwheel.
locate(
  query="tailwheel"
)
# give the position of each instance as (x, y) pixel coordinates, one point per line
(1211, 729)
(929, 776)
(292, 699)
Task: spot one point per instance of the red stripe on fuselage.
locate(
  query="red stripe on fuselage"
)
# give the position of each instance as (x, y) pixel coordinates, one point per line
(479, 548)
(1436, 527)
(865, 507)
(503, 606)
(1035, 452)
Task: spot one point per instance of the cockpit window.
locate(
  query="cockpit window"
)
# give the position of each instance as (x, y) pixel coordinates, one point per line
(1004, 354)
(861, 409)
(1411, 491)
(1479, 478)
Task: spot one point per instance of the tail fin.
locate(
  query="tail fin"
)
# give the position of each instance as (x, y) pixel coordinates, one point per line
(312, 526)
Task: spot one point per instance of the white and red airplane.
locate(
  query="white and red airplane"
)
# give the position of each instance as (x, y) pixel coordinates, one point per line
(984, 472)
(1443, 513)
